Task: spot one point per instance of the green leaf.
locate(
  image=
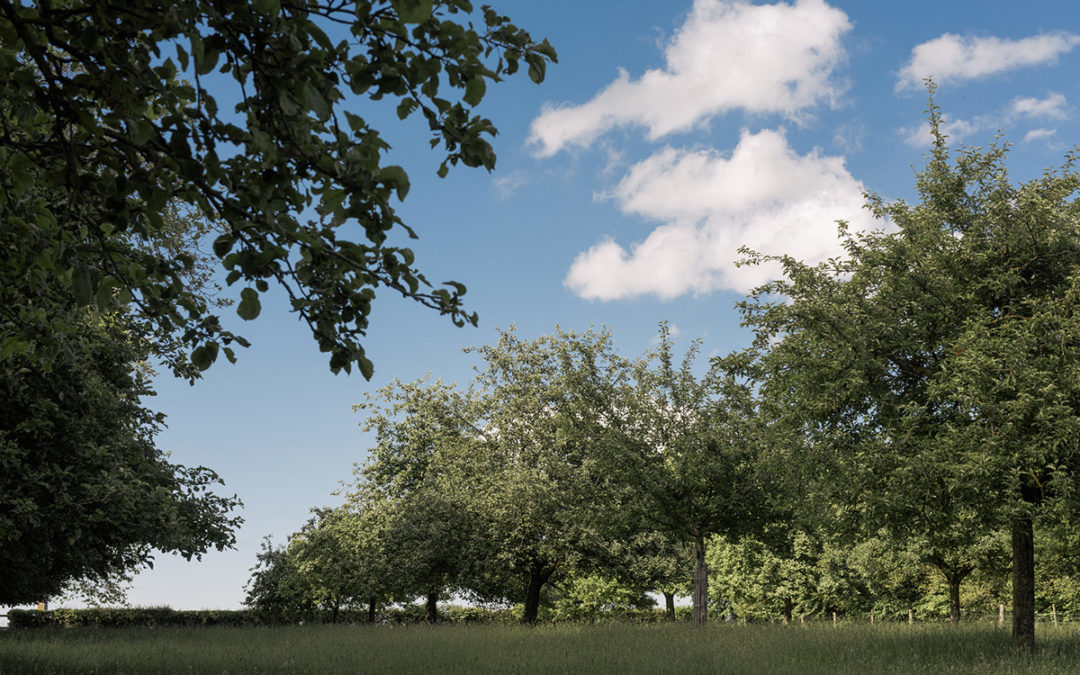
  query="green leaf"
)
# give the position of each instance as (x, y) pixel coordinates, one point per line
(104, 298)
(315, 101)
(537, 67)
(288, 105)
(332, 199)
(249, 306)
(207, 62)
(223, 244)
(182, 57)
(204, 356)
(474, 90)
(268, 7)
(395, 177)
(141, 132)
(367, 368)
(412, 11)
(13, 345)
(405, 108)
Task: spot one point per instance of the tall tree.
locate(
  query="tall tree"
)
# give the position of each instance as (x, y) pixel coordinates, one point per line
(534, 476)
(427, 534)
(933, 368)
(688, 446)
(107, 112)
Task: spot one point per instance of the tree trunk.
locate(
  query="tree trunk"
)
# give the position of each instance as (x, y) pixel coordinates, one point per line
(669, 605)
(789, 604)
(1023, 547)
(538, 576)
(431, 614)
(334, 609)
(954, 597)
(371, 610)
(701, 584)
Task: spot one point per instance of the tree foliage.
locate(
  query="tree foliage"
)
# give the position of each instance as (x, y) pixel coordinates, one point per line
(931, 373)
(107, 118)
(690, 449)
(84, 493)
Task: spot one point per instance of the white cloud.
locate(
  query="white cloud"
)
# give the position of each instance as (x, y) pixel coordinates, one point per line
(849, 137)
(1053, 106)
(728, 54)
(1038, 134)
(956, 130)
(507, 185)
(764, 196)
(953, 58)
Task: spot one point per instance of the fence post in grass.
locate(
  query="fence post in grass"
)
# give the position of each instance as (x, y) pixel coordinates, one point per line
(834, 619)
(1053, 609)
(871, 617)
(910, 616)
(1001, 615)
(802, 618)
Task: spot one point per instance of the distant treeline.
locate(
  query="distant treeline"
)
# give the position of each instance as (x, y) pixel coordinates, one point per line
(157, 617)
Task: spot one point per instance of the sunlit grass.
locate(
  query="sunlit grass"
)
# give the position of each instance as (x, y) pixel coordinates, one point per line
(679, 648)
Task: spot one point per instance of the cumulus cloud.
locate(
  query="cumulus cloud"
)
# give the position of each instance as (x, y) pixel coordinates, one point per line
(729, 54)
(1054, 106)
(1039, 134)
(955, 129)
(764, 196)
(954, 58)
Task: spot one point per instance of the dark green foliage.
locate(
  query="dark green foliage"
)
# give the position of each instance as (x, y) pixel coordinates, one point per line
(161, 617)
(149, 617)
(84, 493)
(929, 376)
(108, 120)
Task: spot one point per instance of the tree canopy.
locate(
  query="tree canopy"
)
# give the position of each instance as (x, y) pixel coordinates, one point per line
(931, 373)
(107, 118)
(84, 493)
(132, 132)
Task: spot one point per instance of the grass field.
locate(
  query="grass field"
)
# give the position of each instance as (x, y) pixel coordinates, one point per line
(818, 648)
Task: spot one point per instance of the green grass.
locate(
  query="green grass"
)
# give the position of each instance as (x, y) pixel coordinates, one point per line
(817, 648)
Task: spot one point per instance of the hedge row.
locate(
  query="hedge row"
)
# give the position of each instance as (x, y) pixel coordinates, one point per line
(163, 616)
(125, 617)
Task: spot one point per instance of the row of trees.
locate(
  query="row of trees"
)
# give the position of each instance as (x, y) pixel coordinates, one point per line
(568, 475)
(561, 460)
(796, 576)
(921, 391)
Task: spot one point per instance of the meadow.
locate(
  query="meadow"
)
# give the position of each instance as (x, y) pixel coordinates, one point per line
(602, 648)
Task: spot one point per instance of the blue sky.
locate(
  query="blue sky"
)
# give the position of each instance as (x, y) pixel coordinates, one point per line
(668, 135)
